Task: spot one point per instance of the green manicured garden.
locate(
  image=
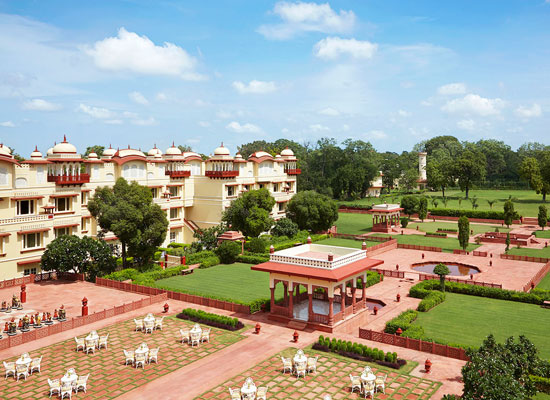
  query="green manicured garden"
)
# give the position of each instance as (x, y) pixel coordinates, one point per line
(526, 202)
(429, 226)
(233, 282)
(354, 224)
(467, 320)
(545, 283)
(543, 234)
(544, 252)
(446, 244)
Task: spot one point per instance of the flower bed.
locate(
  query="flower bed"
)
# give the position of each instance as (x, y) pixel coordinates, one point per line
(215, 320)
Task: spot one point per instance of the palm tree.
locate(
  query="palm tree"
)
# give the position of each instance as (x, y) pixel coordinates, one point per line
(473, 200)
(491, 202)
(459, 202)
(445, 201)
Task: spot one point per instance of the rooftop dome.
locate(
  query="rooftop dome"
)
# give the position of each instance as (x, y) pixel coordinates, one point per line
(173, 151)
(287, 152)
(158, 155)
(36, 153)
(154, 151)
(221, 151)
(50, 151)
(5, 150)
(130, 152)
(278, 156)
(109, 152)
(238, 156)
(64, 147)
(191, 154)
(261, 154)
(92, 156)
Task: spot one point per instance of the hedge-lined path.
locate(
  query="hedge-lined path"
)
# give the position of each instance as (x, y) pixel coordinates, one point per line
(109, 376)
(332, 377)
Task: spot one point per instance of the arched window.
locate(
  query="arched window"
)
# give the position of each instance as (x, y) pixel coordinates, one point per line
(21, 183)
(109, 177)
(3, 176)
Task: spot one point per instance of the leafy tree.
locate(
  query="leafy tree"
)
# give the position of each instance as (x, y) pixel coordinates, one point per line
(184, 149)
(312, 211)
(228, 251)
(404, 222)
(94, 149)
(250, 212)
(463, 232)
(410, 204)
(409, 179)
(530, 171)
(207, 239)
(468, 168)
(128, 211)
(509, 212)
(439, 169)
(284, 227)
(256, 245)
(500, 371)
(543, 216)
(422, 208)
(442, 270)
(507, 241)
(81, 255)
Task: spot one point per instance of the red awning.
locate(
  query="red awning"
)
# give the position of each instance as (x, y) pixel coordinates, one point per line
(176, 227)
(65, 226)
(55, 196)
(4, 234)
(110, 238)
(174, 184)
(332, 275)
(86, 216)
(33, 231)
(27, 198)
(32, 261)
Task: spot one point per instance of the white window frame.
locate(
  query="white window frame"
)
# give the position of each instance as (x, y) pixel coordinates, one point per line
(173, 237)
(37, 239)
(175, 211)
(68, 230)
(32, 208)
(174, 191)
(29, 271)
(68, 204)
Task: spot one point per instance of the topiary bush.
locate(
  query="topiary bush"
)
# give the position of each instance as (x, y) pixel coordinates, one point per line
(404, 222)
(430, 301)
(284, 227)
(228, 251)
(256, 245)
(403, 321)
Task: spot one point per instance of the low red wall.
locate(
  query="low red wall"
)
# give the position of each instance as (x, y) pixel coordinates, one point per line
(47, 330)
(391, 273)
(189, 298)
(414, 344)
(480, 253)
(416, 247)
(524, 258)
(425, 277)
(460, 251)
(538, 277)
(382, 247)
(43, 276)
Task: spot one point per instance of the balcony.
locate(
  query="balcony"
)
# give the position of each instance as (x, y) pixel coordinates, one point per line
(293, 171)
(221, 174)
(178, 174)
(69, 179)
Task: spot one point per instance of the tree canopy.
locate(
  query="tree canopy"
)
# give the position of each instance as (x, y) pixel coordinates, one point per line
(312, 211)
(463, 232)
(249, 213)
(127, 210)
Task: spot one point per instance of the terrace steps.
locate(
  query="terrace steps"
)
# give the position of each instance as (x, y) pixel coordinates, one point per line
(297, 325)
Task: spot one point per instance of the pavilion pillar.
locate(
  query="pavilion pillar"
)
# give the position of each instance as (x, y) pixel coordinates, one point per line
(343, 299)
(331, 311)
(353, 291)
(290, 301)
(272, 298)
(364, 296)
(285, 290)
(310, 306)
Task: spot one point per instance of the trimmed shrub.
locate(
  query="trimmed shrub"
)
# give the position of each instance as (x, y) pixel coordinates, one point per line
(430, 301)
(256, 245)
(284, 227)
(442, 234)
(228, 251)
(218, 321)
(252, 258)
(447, 230)
(542, 384)
(488, 214)
(414, 332)
(180, 245)
(403, 321)
(404, 222)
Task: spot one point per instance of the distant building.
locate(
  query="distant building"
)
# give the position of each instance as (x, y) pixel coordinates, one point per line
(422, 178)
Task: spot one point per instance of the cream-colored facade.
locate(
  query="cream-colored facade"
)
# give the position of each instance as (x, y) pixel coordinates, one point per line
(44, 197)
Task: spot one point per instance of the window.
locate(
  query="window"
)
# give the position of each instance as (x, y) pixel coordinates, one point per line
(3, 176)
(231, 191)
(109, 177)
(63, 204)
(2, 245)
(265, 168)
(281, 207)
(63, 231)
(246, 188)
(84, 225)
(261, 186)
(29, 271)
(173, 237)
(275, 187)
(174, 191)
(155, 193)
(40, 175)
(21, 183)
(25, 207)
(161, 170)
(95, 172)
(84, 198)
(32, 240)
(174, 213)
(150, 175)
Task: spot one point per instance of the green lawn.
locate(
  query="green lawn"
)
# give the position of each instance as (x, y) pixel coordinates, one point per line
(356, 244)
(231, 282)
(354, 224)
(469, 319)
(526, 202)
(545, 283)
(544, 252)
(541, 396)
(446, 244)
(545, 234)
(433, 226)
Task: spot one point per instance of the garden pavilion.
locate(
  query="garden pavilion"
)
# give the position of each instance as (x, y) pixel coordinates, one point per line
(315, 278)
(385, 217)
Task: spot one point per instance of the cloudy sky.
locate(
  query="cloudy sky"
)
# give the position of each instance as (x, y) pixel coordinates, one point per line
(200, 72)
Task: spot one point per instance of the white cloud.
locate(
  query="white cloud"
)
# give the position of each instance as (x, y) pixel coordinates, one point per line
(331, 48)
(318, 128)
(377, 134)
(285, 130)
(329, 111)
(224, 114)
(474, 104)
(466, 124)
(138, 98)
(452, 89)
(404, 114)
(528, 112)
(97, 112)
(345, 127)
(204, 124)
(257, 87)
(7, 124)
(131, 52)
(244, 128)
(129, 114)
(40, 105)
(307, 17)
(113, 121)
(426, 103)
(144, 122)
(161, 96)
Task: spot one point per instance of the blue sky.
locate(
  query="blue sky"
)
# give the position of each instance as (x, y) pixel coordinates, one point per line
(202, 72)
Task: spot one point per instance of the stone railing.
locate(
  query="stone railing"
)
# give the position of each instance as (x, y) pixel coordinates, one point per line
(24, 219)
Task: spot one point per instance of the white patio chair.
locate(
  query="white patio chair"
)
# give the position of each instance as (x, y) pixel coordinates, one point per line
(129, 355)
(355, 383)
(90, 346)
(184, 335)
(235, 394)
(249, 396)
(140, 360)
(66, 389)
(80, 343)
(55, 386)
(380, 382)
(153, 355)
(301, 369)
(21, 370)
(35, 364)
(368, 389)
(205, 336)
(149, 326)
(312, 364)
(81, 383)
(10, 368)
(158, 322)
(261, 393)
(195, 338)
(139, 324)
(287, 364)
(103, 341)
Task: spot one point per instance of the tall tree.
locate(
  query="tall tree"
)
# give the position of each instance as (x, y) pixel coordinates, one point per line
(409, 179)
(438, 169)
(312, 211)
(463, 232)
(250, 212)
(469, 168)
(128, 211)
(543, 216)
(410, 204)
(509, 212)
(422, 208)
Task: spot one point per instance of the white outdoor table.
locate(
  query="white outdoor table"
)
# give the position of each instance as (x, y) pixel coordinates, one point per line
(93, 336)
(368, 377)
(300, 359)
(196, 329)
(23, 361)
(248, 390)
(69, 379)
(149, 318)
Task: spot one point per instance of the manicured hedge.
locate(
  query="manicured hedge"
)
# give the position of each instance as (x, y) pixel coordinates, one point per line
(373, 277)
(205, 258)
(488, 214)
(424, 288)
(440, 234)
(146, 278)
(248, 258)
(359, 351)
(430, 301)
(355, 207)
(218, 321)
(403, 321)
(447, 230)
